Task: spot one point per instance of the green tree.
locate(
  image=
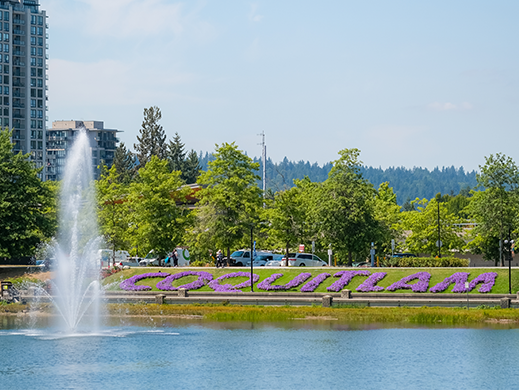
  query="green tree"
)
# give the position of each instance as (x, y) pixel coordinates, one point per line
(27, 205)
(345, 208)
(423, 225)
(124, 162)
(230, 199)
(176, 154)
(158, 218)
(192, 168)
(495, 209)
(387, 213)
(113, 211)
(151, 138)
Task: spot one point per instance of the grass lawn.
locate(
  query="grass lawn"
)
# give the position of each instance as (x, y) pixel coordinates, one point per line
(393, 275)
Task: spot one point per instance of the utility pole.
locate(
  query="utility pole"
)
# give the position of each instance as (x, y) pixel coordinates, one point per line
(264, 163)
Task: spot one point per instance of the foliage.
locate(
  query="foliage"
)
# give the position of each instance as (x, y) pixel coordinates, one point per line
(152, 138)
(113, 211)
(495, 209)
(344, 207)
(192, 168)
(157, 223)
(423, 226)
(229, 201)
(387, 213)
(425, 262)
(124, 162)
(178, 161)
(27, 205)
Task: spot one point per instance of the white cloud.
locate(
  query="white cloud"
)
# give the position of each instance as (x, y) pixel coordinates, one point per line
(436, 106)
(253, 15)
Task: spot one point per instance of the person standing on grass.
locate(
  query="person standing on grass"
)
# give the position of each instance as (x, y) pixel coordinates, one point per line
(175, 258)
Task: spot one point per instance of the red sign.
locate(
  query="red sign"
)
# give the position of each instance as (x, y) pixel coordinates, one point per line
(301, 248)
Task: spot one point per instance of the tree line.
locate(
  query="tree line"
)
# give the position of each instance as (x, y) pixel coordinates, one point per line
(144, 204)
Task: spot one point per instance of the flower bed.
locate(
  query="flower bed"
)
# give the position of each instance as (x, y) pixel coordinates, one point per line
(370, 284)
(267, 283)
(216, 286)
(421, 286)
(129, 284)
(345, 279)
(460, 278)
(203, 279)
(315, 282)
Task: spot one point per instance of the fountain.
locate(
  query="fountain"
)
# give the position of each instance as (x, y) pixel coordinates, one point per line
(76, 288)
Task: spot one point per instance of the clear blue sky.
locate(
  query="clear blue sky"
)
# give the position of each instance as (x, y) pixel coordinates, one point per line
(409, 83)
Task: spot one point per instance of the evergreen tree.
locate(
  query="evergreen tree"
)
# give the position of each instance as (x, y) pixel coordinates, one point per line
(152, 138)
(192, 168)
(176, 154)
(124, 162)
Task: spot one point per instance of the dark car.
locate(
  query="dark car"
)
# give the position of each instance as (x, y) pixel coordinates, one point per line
(404, 255)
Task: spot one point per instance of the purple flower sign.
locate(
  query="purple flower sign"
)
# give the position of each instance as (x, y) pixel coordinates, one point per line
(267, 283)
(421, 286)
(315, 282)
(487, 279)
(216, 286)
(129, 284)
(345, 278)
(370, 283)
(203, 279)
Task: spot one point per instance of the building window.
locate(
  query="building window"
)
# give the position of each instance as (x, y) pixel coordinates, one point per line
(33, 41)
(40, 83)
(40, 145)
(33, 102)
(33, 134)
(40, 134)
(6, 26)
(40, 124)
(40, 51)
(33, 61)
(33, 124)
(33, 144)
(6, 90)
(6, 16)
(40, 41)
(40, 62)
(6, 48)
(40, 113)
(34, 19)
(33, 51)
(33, 113)
(33, 30)
(6, 58)
(40, 20)
(40, 30)
(6, 37)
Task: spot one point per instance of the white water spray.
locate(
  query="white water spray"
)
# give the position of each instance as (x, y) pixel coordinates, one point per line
(77, 287)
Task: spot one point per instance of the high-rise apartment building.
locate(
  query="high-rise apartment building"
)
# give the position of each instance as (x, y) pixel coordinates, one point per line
(60, 138)
(23, 68)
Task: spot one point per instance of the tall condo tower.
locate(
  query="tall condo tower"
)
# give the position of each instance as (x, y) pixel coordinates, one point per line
(23, 75)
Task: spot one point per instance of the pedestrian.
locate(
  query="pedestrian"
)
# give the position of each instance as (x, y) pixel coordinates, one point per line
(175, 258)
(219, 259)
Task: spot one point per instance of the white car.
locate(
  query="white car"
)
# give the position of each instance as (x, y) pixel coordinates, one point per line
(241, 258)
(303, 260)
(262, 260)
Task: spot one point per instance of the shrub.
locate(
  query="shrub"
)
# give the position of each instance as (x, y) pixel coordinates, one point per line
(426, 262)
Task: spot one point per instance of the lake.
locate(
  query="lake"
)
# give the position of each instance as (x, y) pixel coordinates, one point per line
(144, 353)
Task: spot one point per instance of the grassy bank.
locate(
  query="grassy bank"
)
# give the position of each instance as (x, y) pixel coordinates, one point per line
(393, 275)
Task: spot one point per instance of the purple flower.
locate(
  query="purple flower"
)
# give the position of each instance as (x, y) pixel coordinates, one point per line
(421, 286)
(488, 279)
(203, 279)
(345, 278)
(267, 283)
(129, 284)
(370, 283)
(459, 278)
(216, 286)
(315, 282)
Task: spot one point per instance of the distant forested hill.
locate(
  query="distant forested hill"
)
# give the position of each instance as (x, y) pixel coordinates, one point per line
(407, 183)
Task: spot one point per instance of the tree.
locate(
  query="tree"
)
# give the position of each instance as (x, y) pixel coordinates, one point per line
(387, 213)
(27, 205)
(495, 209)
(192, 168)
(113, 212)
(344, 206)
(158, 217)
(176, 154)
(287, 218)
(124, 162)
(230, 199)
(423, 225)
(152, 138)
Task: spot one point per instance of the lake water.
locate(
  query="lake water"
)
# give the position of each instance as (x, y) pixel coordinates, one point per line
(181, 354)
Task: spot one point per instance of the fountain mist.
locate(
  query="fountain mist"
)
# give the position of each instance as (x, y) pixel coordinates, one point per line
(77, 287)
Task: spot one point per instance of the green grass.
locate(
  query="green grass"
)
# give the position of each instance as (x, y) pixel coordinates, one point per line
(393, 275)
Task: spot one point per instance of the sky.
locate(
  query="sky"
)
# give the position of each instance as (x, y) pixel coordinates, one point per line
(409, 83)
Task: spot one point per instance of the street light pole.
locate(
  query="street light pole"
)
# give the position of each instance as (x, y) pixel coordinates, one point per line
(251, 261)
(438, 197)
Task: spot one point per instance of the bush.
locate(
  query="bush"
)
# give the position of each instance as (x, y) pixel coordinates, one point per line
(425, 262)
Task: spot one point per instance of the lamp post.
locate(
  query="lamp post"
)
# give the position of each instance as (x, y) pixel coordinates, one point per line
(508, 255)
(439, 242)
(251, 259)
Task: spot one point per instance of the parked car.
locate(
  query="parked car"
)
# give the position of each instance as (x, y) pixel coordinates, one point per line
(273, 263)
(152, 259)
(303, 260)
(362, 264)
(107, 257)
(263, 259)
(404, 255)
(241, 258)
